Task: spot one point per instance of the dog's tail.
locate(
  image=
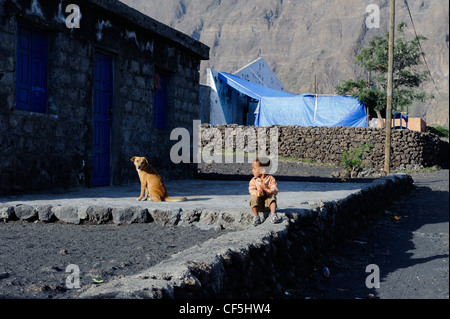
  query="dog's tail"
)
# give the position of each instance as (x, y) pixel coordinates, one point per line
(178, 199)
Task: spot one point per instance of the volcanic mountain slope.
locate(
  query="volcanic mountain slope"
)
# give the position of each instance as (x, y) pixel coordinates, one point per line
(302, 39)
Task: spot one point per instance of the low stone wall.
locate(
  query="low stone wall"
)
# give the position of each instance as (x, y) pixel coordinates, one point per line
(278, 258)
(258, 262)
(88, 215)
(409, 149)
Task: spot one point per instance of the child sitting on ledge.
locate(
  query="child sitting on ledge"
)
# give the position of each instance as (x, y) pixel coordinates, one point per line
(263, 190)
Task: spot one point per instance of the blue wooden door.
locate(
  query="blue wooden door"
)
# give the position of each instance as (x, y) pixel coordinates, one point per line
(103, 104)
(31, 69)
(160, 100)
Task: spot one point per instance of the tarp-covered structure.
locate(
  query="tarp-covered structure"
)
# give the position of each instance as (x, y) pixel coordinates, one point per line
(283, 108)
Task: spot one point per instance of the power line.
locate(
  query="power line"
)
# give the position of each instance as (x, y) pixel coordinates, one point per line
(422, 53)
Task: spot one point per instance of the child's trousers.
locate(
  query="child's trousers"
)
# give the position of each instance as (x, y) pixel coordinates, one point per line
(262, 203)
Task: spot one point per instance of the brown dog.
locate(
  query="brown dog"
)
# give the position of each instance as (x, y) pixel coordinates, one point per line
(151, 182)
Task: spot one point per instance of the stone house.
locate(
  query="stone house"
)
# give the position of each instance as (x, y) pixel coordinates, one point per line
(84, 86)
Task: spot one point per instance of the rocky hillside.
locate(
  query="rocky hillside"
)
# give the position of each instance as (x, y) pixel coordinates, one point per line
(301, 39)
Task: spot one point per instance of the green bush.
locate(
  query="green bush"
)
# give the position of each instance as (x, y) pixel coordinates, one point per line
(352, 160)
(439, 130)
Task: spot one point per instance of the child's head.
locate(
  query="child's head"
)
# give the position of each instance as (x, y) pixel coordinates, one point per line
(259, 166)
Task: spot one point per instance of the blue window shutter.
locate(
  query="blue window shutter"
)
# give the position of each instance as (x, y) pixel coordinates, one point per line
(39, 73)
(31, 70)
(103, 105)
(23, 69)
(160, 100)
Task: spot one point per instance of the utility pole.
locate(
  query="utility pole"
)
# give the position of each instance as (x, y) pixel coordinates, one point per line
(387, 149)
(315, 84)
(367, 109)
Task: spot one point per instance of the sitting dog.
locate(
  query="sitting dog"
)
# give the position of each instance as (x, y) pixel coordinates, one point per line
(151, 182)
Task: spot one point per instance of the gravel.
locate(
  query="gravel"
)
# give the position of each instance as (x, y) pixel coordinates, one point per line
(34, 257)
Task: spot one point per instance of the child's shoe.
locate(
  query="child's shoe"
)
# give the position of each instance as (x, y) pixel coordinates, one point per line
(274, 218)
(256, 220)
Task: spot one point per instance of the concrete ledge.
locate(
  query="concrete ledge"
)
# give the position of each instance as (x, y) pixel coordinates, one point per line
(201, 218)
(258, 261)
(220, 204)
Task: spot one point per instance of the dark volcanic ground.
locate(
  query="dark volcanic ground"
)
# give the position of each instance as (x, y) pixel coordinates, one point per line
(409, 244)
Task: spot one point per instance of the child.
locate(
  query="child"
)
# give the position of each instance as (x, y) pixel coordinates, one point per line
(263, 190)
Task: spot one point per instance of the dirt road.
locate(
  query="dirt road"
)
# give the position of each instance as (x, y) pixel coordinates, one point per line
(409, 245)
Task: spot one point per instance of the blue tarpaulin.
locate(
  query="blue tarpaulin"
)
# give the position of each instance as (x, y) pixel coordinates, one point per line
(283, 108)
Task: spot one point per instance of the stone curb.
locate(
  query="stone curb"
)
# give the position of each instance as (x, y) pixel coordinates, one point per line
(257, 261)
(202, 218)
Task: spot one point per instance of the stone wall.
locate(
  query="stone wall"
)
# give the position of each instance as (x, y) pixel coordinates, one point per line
(409, 149)
(284, 256)
(246, 261)
(258, 262)
(54, 149)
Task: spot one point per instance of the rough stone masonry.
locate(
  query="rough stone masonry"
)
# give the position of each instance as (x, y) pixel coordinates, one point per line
(53, 147)
(257, 262)
(409, 149)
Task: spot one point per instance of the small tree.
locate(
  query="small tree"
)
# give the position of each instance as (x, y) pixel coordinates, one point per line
(352, 160)
(407, 78)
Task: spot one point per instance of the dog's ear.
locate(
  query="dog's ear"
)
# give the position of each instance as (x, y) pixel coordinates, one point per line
(133, 159)
(145, 160)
